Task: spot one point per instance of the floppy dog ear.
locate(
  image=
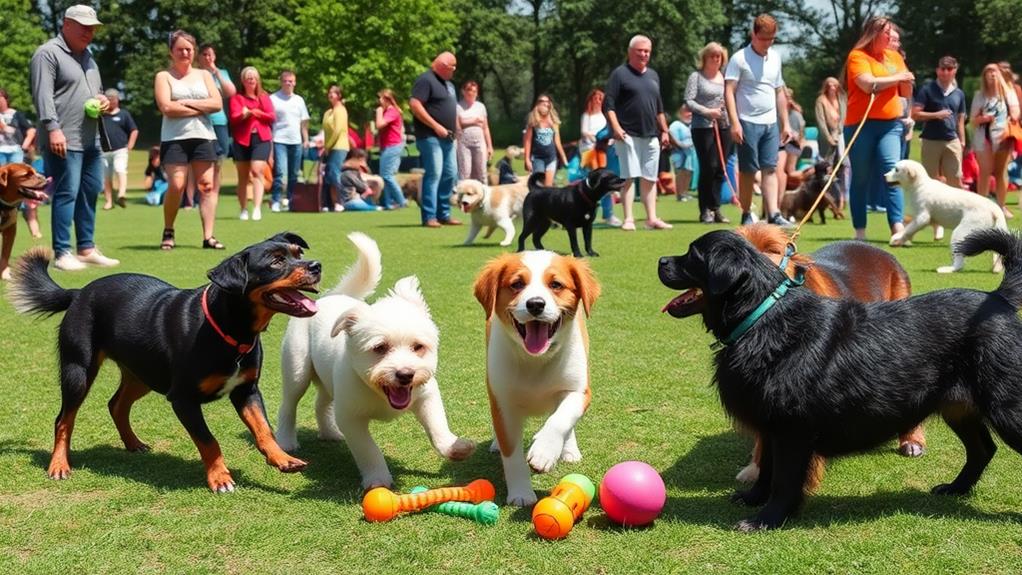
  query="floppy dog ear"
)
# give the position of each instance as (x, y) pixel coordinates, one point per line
(232, 274)
(290, 238)
(3, 177)
(586, 287)
(348, 319)
(724, 274)
(407, 288)
(488, 284)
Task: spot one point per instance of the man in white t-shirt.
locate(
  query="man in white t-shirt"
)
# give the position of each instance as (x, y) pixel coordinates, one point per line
(290, 138)
(755, 99)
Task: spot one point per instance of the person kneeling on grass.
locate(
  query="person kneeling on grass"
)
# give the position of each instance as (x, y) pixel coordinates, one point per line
(355, 194)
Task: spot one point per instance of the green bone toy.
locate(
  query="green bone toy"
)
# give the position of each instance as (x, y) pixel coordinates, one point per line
(486, 512)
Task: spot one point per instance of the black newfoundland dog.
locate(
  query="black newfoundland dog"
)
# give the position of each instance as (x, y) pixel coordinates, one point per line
(830, 376)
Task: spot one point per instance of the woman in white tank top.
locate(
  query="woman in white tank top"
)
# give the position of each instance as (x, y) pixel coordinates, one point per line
(185, 97)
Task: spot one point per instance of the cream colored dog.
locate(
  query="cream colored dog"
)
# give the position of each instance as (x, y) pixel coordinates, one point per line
(368, 362)
(491, 207)
(936, 202)
(537, 359)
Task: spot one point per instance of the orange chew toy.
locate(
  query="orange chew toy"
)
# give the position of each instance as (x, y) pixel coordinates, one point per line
(382, 504)
(555, 515)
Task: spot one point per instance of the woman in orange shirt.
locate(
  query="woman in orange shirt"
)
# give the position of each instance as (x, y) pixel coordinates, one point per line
(872, 67)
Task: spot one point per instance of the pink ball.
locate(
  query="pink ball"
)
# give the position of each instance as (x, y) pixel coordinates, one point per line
(632, 493)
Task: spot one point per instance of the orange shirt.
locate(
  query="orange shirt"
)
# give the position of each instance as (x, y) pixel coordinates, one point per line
(887, 105)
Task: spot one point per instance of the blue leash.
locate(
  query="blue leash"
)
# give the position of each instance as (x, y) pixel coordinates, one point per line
(767, 303)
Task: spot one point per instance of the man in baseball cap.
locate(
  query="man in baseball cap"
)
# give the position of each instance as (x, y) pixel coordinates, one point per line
(82, 14)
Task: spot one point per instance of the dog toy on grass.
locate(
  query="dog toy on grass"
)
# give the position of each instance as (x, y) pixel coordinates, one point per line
(485, 512)
(382, 504)
(555, 515)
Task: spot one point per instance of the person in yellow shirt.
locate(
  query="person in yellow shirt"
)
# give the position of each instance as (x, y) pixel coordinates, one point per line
(873, 67)
(335, 146)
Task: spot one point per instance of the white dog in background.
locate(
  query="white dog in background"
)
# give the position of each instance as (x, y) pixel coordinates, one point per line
(936, 202)
(368, 362)
(491, 207)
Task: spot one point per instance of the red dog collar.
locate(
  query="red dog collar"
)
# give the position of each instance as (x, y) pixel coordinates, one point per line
(242, 348)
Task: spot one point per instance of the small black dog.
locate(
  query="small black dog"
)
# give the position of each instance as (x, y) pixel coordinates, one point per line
(834, 376)
(796, 203)
(572, 206)
(193, 346)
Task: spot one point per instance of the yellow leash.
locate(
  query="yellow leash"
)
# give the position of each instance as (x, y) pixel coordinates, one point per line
(833, 173)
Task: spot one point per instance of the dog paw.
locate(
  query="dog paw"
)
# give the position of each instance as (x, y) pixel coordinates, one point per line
(59, 470)
(544, 453)
(459, 450)
(220, 481)
(521, 498)
(951, 489)
(505, 243)
(137, 446)
(377, 479)
(749, 474)
(899, 240)
(571, 455)
(946, 270)
(286, 464)
(750, 498)
(911, 449)
(752, 525)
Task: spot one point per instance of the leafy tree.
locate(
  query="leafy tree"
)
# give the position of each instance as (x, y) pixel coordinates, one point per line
(21, 27)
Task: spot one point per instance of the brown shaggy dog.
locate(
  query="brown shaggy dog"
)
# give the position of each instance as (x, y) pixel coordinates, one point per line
(846, 269)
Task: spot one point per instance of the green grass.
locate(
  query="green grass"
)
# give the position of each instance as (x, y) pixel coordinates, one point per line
(122, 512)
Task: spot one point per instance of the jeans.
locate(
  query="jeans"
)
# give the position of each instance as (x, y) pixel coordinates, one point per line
(77, 182)
(15, 157)
(390, 161)
(441, 171)
(876, 150)
(287, 161)
(332, 177)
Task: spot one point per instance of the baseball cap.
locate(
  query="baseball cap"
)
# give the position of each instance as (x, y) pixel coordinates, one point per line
(82, 14)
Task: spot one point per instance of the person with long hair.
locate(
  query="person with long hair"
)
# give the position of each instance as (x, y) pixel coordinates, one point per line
(335, 145)
(704, 95)
(594, 122)
(872, 67)
(543, 140)
(251, 117)
(390, 126)
(830, 113)
(787, 156)
(186, 96)
(474, 144)
(993, 106)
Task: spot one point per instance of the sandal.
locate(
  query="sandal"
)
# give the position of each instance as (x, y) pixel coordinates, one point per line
(121, 201)
(212, 243)
(167, 243)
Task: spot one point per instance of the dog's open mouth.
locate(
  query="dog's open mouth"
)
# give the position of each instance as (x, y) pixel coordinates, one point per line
(399, 396)
(536, 335)
(292, 301)
(690, 302)
(33, 192)
(466, 207)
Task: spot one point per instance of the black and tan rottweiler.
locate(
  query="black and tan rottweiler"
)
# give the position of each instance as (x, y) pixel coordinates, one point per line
(191, 345)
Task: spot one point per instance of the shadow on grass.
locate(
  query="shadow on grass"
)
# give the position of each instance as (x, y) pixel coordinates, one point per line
(160, 470)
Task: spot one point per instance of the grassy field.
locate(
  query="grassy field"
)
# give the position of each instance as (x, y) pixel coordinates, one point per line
(151, 513)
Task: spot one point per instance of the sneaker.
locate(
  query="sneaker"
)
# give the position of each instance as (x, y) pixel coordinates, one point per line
(257, 214)
(324, 209)
(337, 208)
(719, 218)
(747, 219)
(69, 263)
(778, 220)
(275, 207)
(613, 221)
(97, 258)
(243, 216)
(285, 203)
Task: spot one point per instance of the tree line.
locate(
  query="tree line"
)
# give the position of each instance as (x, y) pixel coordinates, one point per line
(514, 49)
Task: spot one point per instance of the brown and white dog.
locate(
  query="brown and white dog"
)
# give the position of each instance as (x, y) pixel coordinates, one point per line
(537, 358)
(18, 182)
(491, 207)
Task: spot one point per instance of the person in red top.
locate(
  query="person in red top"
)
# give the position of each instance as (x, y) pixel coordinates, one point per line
(874, 68)
(251, 118)
(390, 126)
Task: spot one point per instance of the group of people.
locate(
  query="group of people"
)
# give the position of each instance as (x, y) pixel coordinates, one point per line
(731, 105)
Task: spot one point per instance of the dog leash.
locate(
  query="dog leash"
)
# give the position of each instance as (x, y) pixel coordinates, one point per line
(723, 163)
(243, 348)
(751, 319)
(834, 171)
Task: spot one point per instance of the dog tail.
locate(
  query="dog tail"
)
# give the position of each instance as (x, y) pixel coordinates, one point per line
(1009, 246)
(363, 276)
(32, 290)
(534, 180)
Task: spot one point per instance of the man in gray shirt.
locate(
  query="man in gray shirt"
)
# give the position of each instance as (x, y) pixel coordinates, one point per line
(64, 77)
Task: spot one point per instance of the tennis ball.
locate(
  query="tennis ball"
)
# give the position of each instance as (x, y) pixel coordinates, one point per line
(92, 108)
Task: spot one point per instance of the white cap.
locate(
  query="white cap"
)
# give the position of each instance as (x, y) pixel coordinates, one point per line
(82, 14)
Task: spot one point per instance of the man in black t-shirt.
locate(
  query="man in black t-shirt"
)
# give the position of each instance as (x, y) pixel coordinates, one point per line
(435, 110)
(119, 135)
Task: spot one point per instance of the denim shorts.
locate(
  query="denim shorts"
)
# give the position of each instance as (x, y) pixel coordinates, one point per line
(758, 150)
(543, 165)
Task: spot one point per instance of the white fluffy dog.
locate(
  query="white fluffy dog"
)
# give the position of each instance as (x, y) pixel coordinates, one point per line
(368, 362)
(491, 207)
(936, 202)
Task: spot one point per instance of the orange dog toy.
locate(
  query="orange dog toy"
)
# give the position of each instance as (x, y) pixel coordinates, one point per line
(382, 504)
(555, 515)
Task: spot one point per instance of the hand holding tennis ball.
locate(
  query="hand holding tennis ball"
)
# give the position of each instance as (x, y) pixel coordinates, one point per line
(93, 107)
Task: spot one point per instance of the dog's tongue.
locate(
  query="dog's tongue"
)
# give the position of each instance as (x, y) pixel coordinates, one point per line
(537, 336)
(686, 297)
(296, 297)
(398, 396)
(464, 208)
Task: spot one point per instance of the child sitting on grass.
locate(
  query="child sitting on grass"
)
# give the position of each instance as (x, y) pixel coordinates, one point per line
(155, 183)
(355, 194)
